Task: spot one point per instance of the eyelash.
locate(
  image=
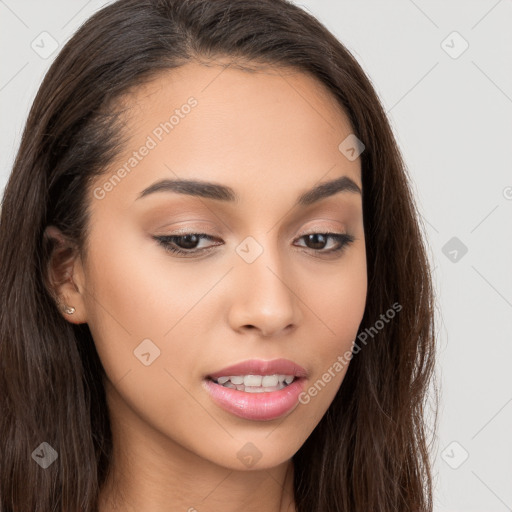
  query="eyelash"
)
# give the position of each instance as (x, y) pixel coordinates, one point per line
(344, 239)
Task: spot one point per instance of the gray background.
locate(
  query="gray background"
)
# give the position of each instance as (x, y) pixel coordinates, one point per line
(450, 112)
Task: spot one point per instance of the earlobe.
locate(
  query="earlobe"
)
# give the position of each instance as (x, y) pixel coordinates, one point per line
(62, 260)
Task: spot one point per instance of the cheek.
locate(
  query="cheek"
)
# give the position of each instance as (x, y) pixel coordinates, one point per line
(145, 319)
(343, 308)
(337, 297)
(137, 295)
(337, 302)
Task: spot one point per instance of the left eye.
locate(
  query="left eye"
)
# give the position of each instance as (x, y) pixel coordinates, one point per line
(188, 244)
(320, 239)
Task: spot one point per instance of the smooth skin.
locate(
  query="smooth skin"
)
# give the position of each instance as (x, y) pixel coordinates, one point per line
(270, 135)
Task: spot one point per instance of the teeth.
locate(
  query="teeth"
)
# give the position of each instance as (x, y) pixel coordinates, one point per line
(269, 380)
(253, 380)
(260, 389)
(256, 383)
(253, 389)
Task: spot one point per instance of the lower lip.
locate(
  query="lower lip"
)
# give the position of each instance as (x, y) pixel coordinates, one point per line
(265, 406)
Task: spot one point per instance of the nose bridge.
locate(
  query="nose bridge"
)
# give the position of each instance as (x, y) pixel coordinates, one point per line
(264, 297)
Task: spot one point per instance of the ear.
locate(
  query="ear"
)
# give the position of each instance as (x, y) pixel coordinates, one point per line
(65, 276)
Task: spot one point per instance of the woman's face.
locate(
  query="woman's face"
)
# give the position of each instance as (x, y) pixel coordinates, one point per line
(253, 288)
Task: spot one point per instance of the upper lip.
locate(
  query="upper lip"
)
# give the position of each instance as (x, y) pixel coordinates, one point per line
(261, 367)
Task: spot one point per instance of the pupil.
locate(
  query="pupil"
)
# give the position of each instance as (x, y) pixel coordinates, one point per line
(314, 239)
(190, 241)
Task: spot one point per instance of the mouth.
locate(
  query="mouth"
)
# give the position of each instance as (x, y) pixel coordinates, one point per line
(255, 383)
(257, 389)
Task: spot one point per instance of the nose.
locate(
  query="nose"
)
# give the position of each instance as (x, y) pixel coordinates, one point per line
(264, 298)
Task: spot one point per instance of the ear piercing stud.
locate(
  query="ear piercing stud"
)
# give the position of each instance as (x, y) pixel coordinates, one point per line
(67, 309)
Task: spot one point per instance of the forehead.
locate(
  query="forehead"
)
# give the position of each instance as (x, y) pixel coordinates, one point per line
(273, 128)
(223, 82)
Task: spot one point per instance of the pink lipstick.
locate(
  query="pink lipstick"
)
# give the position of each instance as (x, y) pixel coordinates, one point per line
(257, 389)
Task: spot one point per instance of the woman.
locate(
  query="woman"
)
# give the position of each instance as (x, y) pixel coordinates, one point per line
(215, 292)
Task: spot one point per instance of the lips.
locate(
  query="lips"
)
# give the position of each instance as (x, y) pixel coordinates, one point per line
(257, 389)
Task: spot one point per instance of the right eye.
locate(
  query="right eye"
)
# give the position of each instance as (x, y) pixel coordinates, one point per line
(184, 244)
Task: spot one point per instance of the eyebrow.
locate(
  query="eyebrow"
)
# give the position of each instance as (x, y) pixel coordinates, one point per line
(209, 190)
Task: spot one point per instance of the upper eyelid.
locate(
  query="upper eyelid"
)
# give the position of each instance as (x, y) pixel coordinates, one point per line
(207, 231)
(203, 235)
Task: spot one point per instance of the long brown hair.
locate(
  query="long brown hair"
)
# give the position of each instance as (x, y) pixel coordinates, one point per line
(370, 451)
